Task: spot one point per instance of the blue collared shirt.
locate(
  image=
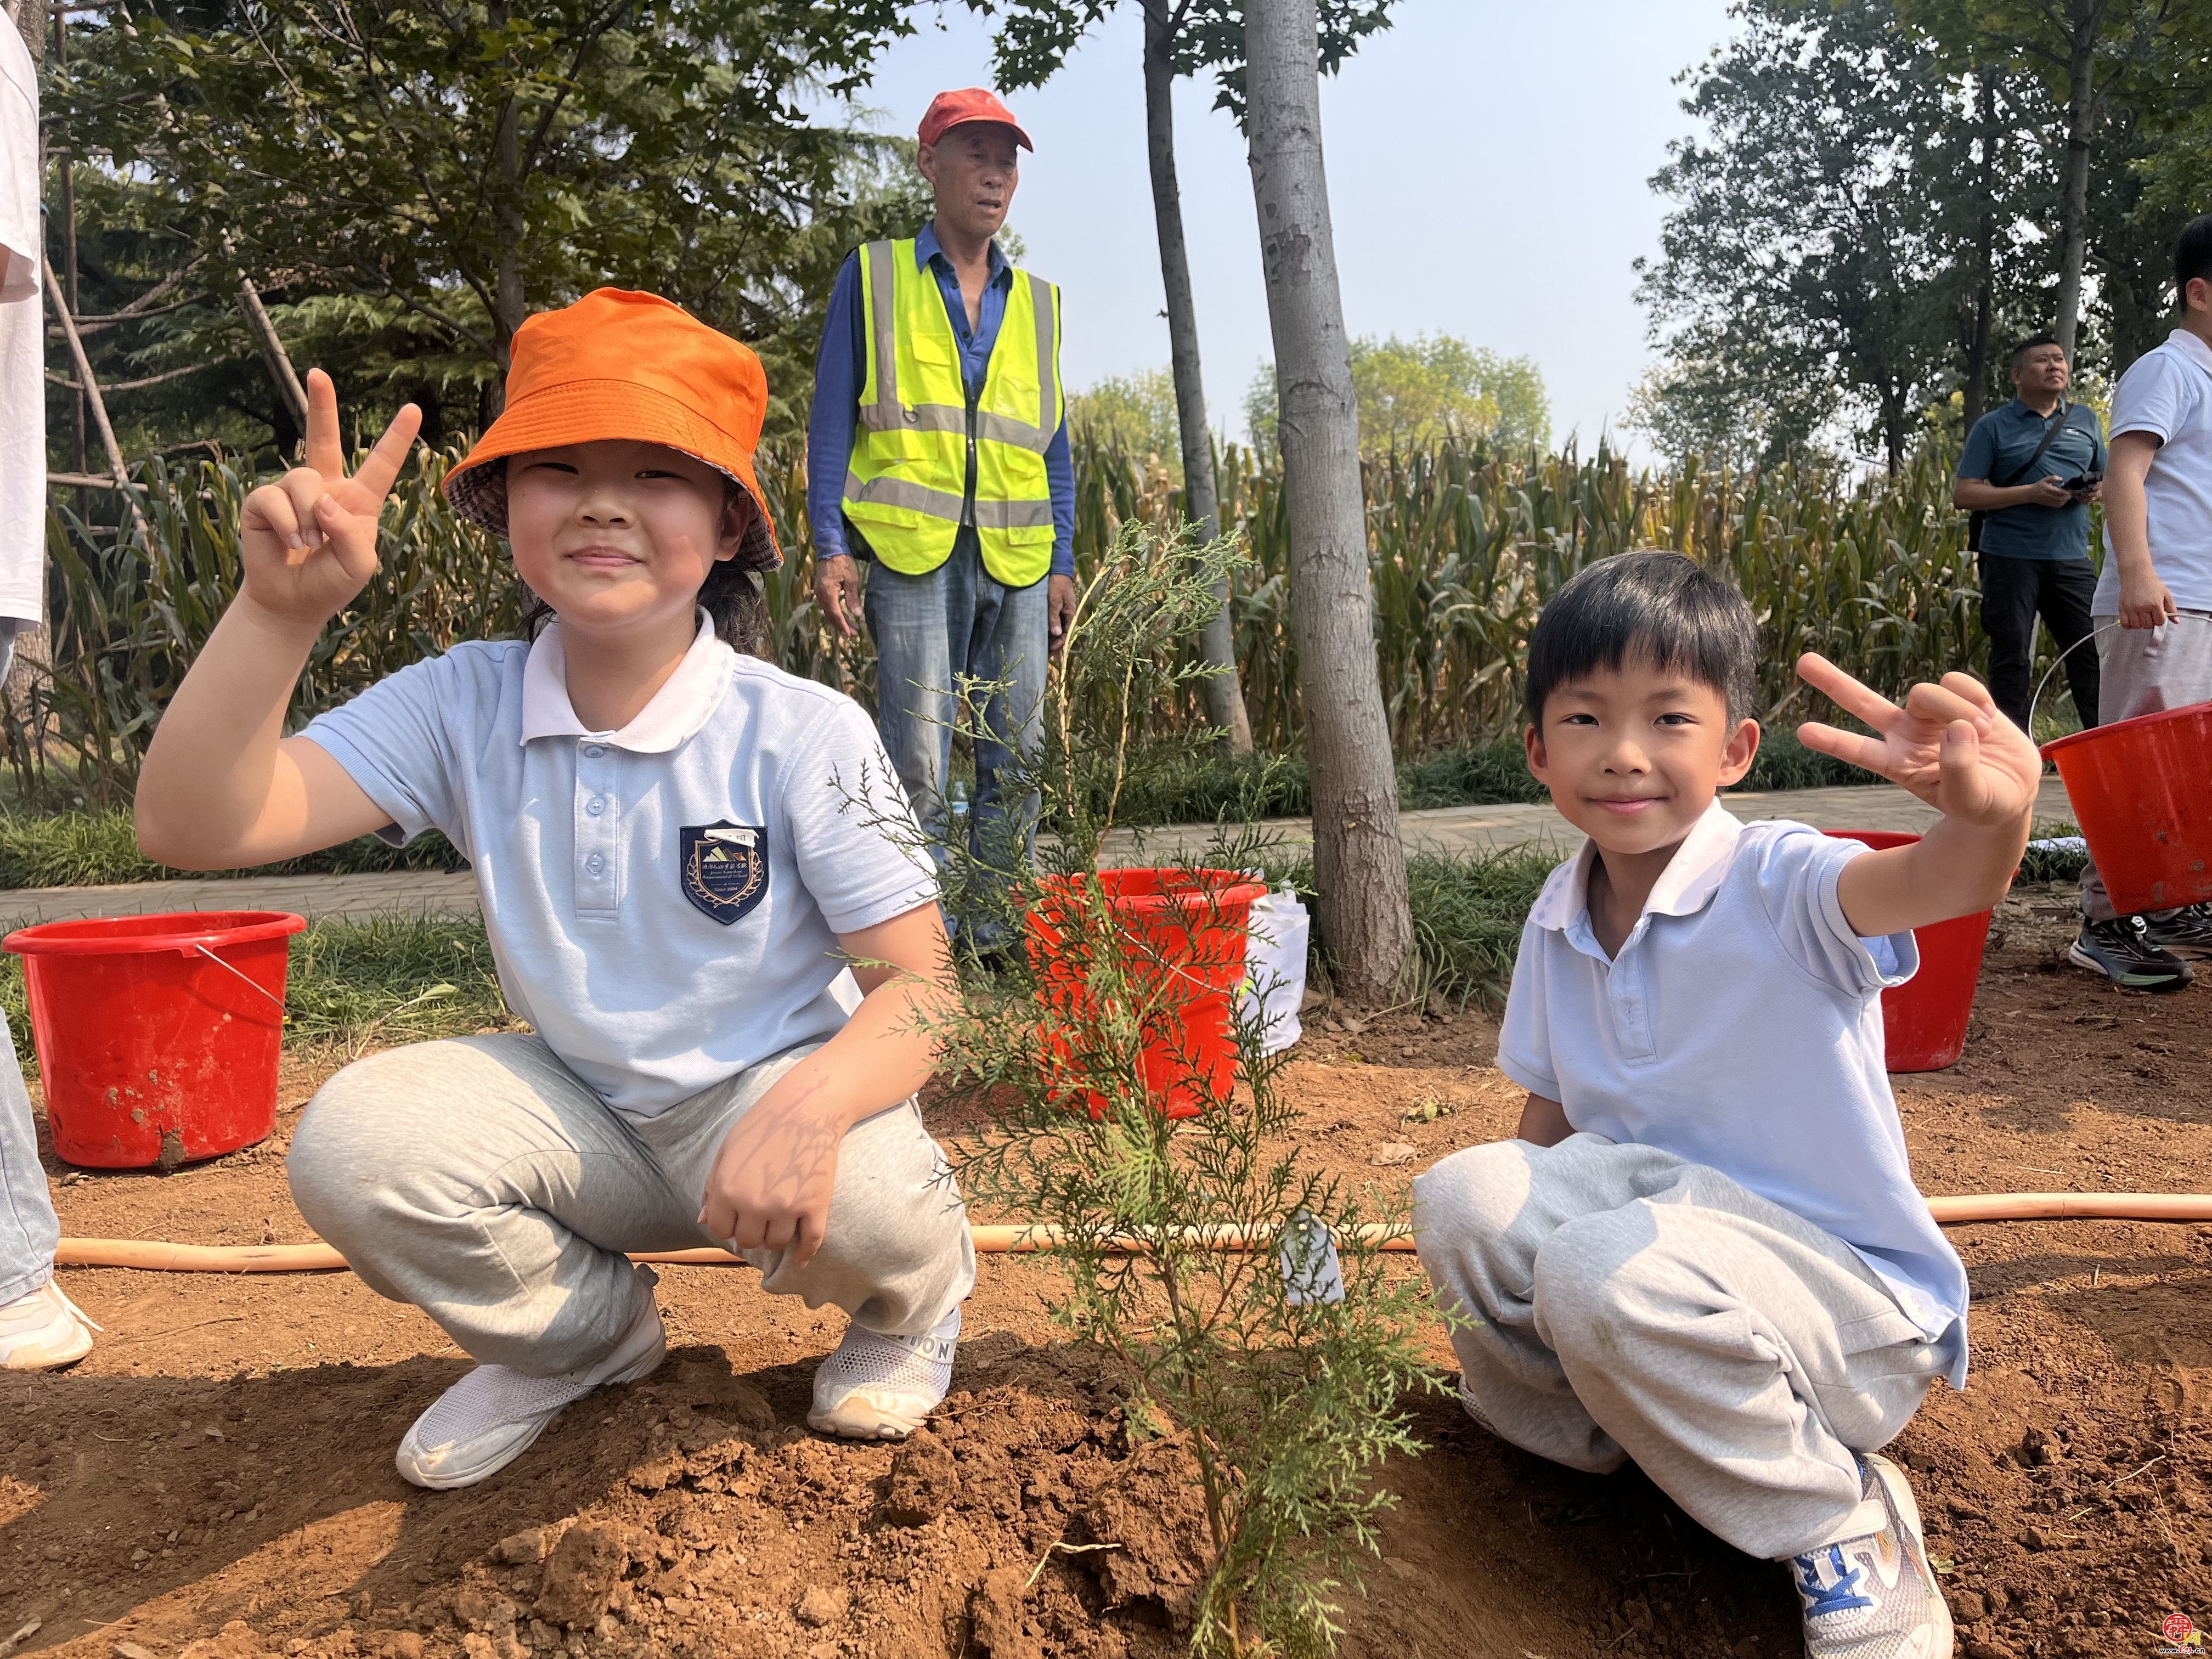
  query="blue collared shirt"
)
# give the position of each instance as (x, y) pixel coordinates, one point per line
(842, 363)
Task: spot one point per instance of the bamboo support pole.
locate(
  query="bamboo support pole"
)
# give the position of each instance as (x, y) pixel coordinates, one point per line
(84, 378)
(282, 374)
(157, 1257)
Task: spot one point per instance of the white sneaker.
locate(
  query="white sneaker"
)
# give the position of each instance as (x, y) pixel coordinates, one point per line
(881, 1387)
(44, 1331)
(1874, 1597)
(490, 1417)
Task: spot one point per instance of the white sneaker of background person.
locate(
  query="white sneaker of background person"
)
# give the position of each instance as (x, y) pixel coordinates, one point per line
(44, 1331)
(1874, 1597)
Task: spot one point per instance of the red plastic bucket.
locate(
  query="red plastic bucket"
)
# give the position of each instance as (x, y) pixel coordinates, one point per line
(157, 1036)
(1181, 934)
(1924, 1019)
(2142, 791)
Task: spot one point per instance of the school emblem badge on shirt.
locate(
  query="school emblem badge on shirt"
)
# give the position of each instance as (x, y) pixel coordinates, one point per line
(724, 868)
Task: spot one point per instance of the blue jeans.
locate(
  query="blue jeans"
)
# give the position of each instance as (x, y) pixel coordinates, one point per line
(28, 1227)
(930, 630)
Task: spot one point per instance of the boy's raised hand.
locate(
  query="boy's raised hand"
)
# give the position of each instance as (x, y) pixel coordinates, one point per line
(309, 541)
(1947, 744)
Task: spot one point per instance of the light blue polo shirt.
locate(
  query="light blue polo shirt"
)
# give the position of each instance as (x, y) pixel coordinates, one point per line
(663, 901)
(1739, 1027)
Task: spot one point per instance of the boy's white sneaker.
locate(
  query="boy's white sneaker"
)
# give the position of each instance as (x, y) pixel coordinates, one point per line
(1875, 1596)
(883, 1388)
(44, 1331)
(490, 1417)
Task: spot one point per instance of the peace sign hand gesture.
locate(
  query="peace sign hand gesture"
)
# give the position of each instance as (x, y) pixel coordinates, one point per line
(1947, 744)
(309, 541)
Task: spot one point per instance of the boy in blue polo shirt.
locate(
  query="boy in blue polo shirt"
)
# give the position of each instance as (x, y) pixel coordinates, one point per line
(1705, 1250)
(678, 849)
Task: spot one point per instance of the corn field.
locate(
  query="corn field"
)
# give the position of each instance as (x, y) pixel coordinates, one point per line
(1466, 542)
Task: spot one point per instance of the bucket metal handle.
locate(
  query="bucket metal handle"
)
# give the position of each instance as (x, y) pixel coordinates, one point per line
(2036, 700)
(263, 989)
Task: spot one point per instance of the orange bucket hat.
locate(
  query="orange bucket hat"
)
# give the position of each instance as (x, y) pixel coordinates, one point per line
(619, 365)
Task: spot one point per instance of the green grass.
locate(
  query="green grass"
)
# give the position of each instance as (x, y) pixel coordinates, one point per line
(89, 849)
(1468, 908)
(2039, 866)
(352, 986)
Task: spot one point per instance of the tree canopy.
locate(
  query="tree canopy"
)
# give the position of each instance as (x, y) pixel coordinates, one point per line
(407, 179)
(1876, 206)
(1415, 392)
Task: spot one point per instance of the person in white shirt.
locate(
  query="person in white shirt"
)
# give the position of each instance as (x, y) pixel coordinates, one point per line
(2153, 598)
(1705, 1250)
(40, 1328)
(679, 850)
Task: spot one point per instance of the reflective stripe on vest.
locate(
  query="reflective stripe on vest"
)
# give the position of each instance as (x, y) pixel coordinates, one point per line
(906, 484)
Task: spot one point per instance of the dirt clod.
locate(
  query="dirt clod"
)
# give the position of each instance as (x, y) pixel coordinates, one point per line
(235, 1640)
(580, 1575)
(520, 1548)
(996, 1611)
(924, 1480)
(1150, 1517)
(821, 1605)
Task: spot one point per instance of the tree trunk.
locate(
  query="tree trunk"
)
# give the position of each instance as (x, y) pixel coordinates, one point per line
(508, 306)
(1359, 862)
(1985, 230)
(2082, 18)
(1225, 697)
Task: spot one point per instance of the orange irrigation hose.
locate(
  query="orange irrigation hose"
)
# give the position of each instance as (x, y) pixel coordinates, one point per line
(157, 1257)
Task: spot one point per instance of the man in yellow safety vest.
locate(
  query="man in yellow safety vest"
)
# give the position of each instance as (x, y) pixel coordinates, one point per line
(937, 452)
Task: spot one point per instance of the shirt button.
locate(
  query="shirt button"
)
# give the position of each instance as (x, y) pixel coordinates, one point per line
(596, 805)
(593, 750)
(596, 863)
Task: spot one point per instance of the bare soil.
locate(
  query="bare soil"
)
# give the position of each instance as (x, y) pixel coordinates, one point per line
(216, 1478)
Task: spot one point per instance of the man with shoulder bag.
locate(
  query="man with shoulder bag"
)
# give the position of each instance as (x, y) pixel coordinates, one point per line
(2027, 477)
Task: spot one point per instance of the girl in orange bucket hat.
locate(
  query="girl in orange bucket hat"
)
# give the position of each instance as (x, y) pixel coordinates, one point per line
(677, 848)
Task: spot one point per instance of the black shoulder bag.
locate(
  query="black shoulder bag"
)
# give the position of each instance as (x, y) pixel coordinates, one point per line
(2064, 413)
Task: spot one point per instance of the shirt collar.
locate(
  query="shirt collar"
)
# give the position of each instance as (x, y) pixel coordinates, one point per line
(683, 705)
(1688, 885)
(927, 247)
(2192, 348)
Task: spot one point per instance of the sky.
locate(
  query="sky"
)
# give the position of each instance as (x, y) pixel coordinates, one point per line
(1488, 167)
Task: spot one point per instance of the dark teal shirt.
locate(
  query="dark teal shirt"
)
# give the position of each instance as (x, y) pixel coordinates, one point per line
(1999, 447)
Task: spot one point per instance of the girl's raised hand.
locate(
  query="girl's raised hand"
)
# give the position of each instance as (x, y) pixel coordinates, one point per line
(1947, 744)
(309, 541)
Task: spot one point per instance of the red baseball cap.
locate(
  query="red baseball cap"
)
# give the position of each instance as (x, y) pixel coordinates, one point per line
(956, 109)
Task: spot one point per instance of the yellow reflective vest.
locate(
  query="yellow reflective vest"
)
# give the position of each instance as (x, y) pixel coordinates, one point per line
(925, 458)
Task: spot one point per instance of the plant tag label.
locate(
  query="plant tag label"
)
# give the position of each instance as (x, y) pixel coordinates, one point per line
(1311, 1272)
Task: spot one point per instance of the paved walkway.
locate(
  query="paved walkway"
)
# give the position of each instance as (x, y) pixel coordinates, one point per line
(1444, 828)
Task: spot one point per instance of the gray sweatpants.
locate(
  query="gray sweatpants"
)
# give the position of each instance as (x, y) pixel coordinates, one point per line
(481, 1179)
(28, 1227)
(2146, 670)
(1624, 1303)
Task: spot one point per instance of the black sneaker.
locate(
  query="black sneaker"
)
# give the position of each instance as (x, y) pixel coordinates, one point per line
(2123, 952)
(2186, 932)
